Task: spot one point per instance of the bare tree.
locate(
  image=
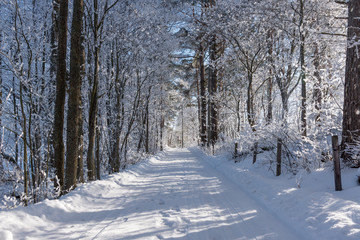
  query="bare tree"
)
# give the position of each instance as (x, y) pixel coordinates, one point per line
(59, 149)
(77, 60)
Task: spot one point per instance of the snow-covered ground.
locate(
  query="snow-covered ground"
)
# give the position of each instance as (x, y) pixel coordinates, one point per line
(185, 194)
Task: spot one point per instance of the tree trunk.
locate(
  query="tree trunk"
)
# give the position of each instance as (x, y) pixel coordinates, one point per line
(269, 115)
(351, 119)
(212, 88)
(93, 100)
(115, 157)
(1, 93)
(16, 118)
(238, 117)
(119, 118)
(285, 109)
(302, 66)
(31, 147)
(250, 111)
(197, 74)
(202, 97)
(74, 103)
(182, 126)
(54, 38)
(317, 85)
(24, 137)
(97, 154)
(92, 121)
(147, 122)
(250, 103)
(80, 161)
(59, 150)
(162, 121)
(278, 157)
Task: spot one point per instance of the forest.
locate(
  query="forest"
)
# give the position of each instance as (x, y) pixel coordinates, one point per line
(91, 87)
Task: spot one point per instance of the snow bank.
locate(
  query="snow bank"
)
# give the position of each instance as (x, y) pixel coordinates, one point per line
(308, 201)
(6, 235)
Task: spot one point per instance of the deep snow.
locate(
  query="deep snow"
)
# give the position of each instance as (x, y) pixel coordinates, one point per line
(185, 194)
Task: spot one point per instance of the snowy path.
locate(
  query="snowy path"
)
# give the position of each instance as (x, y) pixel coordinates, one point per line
(175, 196)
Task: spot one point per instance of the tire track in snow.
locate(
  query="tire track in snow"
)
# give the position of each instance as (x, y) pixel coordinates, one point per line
(228, 209)
(243, 217)
(99, 226)
(260, 207)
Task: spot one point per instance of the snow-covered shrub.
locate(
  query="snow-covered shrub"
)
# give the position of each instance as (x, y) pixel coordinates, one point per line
(9, 202)
(353, 150)
(298, 152)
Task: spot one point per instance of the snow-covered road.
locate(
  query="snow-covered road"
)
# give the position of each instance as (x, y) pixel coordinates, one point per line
(176, 195)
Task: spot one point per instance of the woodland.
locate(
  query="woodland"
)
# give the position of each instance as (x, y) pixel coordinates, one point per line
(90, 87)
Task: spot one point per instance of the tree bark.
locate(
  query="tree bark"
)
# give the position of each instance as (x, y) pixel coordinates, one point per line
(317, 94)
(269, 115)
(74, 103)
(278, 157)
(202, 83)
(162, 121)
(97, 154)
(250, 111)
(147, 149)
(93, 99)
(16, 118)
(54, 38)
(250, 102)
(1, 93)
(119, 117)
(24, 137)
(182, 126)
(162, 124)
(59, 149)
(212, 88)
(302, 66)
(80, 161)
(351, 119)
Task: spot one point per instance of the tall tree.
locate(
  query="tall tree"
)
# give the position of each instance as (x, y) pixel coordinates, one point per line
(351, 119)
(202, 89)
(59, 149)
(77, 60)
(212, 87)
(90, 160)
(302, 66)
